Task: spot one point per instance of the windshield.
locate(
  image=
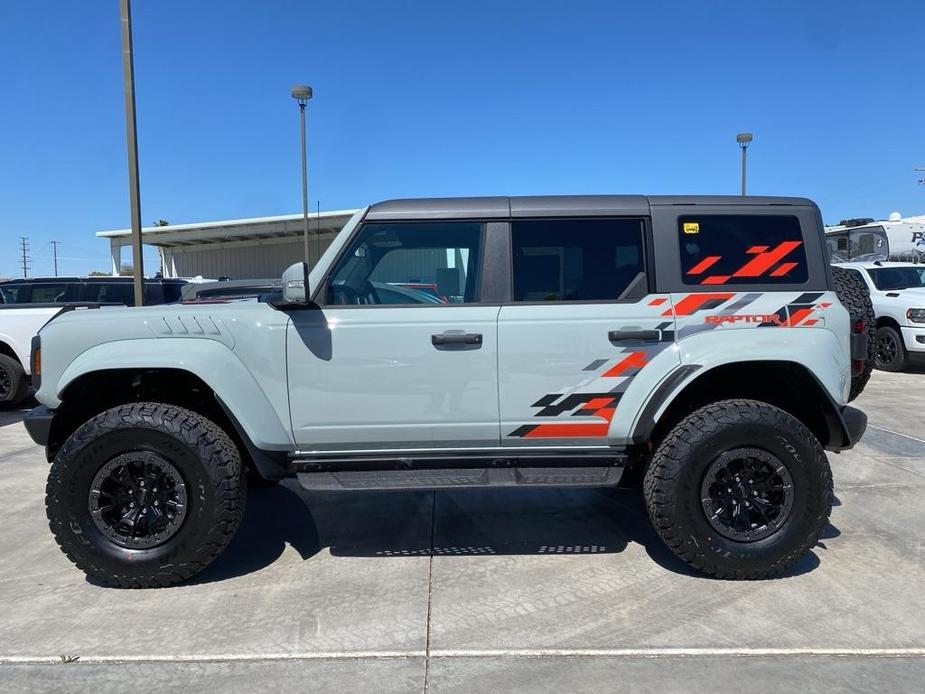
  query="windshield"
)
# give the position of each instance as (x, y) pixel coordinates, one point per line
(898, 277)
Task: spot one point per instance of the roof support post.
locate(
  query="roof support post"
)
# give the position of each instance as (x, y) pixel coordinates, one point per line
(115, 252)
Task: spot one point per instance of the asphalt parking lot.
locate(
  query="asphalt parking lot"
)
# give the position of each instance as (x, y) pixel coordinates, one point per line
(502, 591)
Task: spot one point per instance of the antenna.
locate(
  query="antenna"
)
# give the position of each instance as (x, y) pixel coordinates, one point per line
(318, 230)
(24, 248)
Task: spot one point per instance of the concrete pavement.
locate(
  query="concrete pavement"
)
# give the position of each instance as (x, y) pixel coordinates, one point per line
(507, 590)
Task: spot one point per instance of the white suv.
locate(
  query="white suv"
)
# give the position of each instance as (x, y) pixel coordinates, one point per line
(897, 291)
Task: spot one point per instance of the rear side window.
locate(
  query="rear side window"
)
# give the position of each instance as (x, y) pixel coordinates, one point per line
(575, 259)
(741, 249)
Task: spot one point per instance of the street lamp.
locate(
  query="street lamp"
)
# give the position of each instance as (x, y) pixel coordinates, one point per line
(744, 140)
(302, 93)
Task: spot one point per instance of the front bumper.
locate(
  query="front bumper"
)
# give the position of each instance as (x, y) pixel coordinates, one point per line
(914, 339)
(38, 424)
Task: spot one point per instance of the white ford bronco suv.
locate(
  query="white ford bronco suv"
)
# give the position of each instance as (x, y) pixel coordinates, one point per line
(695, 342)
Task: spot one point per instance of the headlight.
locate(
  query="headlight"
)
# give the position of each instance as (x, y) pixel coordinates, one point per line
(916, 315)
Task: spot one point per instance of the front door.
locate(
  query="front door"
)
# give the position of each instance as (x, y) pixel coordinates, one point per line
(581, 327)
(400, 355)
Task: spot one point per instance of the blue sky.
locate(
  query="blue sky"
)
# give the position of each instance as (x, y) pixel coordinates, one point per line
(434, 98)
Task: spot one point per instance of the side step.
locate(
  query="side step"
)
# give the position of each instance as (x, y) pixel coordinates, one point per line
(460, 478)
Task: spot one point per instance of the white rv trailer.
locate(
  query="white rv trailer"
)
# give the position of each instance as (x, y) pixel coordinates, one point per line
(864, 240)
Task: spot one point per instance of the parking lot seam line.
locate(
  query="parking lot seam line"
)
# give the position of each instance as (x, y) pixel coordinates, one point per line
(430, 586)
(896, 433)
(209, 658)
(481, 653)
(675, 652)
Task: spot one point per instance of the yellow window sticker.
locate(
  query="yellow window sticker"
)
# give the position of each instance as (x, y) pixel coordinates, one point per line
(691, 227)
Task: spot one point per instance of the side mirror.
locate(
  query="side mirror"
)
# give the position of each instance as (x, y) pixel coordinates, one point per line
(296, 290)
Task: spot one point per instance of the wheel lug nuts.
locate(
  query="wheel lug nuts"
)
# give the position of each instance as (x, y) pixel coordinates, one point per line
(754, 493)
(729, 489)
(747, 505)
(131, 504)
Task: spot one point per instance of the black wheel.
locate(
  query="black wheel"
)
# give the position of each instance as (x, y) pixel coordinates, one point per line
(145, 495)
(13, 384)
(890, 353)
(739, 489)
(854, 295)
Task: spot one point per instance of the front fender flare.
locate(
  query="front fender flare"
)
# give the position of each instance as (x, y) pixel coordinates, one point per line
(207, 359)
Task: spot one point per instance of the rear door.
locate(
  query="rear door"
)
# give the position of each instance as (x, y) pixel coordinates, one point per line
(582, 324)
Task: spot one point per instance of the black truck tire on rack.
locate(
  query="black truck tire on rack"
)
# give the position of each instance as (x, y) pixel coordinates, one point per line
(855, 297)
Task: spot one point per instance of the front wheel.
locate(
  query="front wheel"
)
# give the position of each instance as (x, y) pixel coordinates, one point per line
(13, 383)
(890, 354)
(145, 495)
(739, 489)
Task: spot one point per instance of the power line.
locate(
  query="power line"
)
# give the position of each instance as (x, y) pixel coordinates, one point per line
(24, 248)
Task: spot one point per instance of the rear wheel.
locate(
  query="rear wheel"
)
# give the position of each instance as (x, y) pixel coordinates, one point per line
(13, 383)
(855, 297)
(145, 495)
(890, 353)
(739, 489)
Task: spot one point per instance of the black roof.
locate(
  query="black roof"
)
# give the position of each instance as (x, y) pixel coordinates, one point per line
(95, 278)
(556, 205)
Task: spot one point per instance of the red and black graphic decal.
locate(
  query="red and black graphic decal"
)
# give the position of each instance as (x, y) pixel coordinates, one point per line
(597, 404)
(765, 262)
(698, 302)
(798, 312)
(600, 405)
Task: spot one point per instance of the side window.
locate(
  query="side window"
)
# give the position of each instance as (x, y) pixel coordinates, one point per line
(741, 249)
(48, 293)
(14, 293)
(112, 292)
(575, 259)
(409, 263)
(838, 247)
(867, 244)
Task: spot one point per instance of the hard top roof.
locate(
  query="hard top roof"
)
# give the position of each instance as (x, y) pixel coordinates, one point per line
(557, 205)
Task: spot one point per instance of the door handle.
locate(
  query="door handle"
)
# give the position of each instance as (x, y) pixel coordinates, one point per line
(456, 339)
(643, 335)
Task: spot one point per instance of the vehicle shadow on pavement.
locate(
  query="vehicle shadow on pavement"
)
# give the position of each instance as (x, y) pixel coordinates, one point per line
(447, 523)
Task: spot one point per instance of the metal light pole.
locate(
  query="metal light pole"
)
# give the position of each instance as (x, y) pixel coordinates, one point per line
(744, 140)
(128, 78)
(302, 93)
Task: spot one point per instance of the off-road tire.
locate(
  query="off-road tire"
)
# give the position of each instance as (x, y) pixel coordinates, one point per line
(855, 297)
(672, 489)
(900, 356)
(15, 383)
(201, 451)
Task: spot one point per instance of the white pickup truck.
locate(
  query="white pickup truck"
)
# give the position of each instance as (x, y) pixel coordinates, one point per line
(18, 323)
(897, 291)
